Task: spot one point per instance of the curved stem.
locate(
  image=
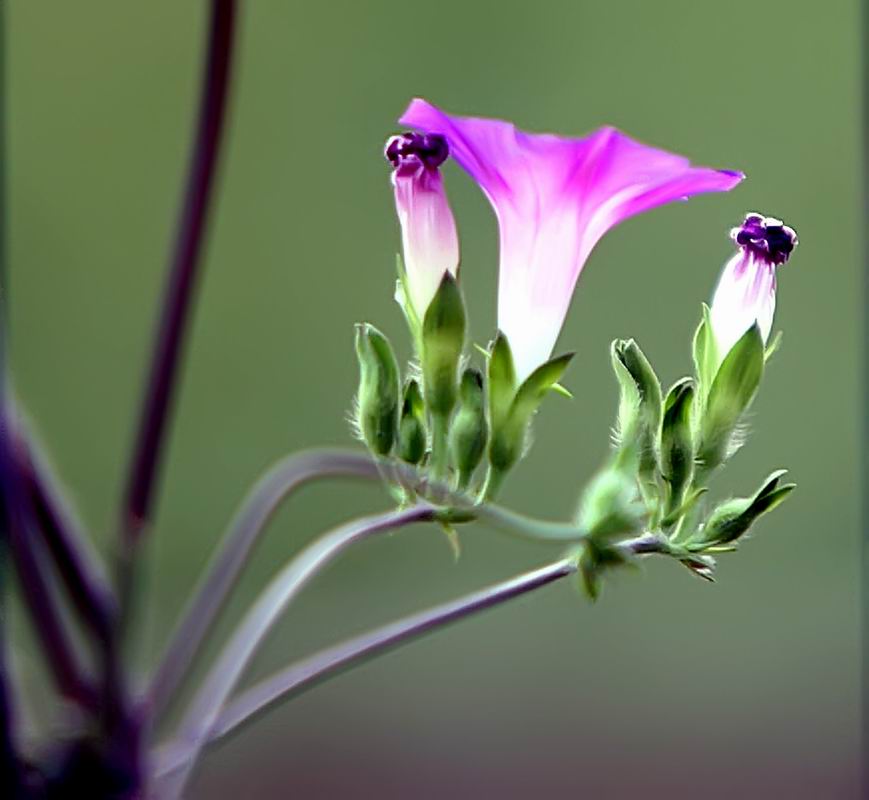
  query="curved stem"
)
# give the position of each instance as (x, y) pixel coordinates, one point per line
(258, 507)
(236, 655)
(310, 672)
(233, 553)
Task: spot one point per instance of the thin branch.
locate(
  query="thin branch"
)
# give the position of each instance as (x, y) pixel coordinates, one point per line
(66, 542)
(33, 582)
(178, 295)
(244, 532)
(312, 671)
(236, 655)
(233, 553)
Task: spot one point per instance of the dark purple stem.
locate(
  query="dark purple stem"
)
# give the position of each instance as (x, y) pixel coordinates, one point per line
(35, 588)
(66, 543)
(179, 290)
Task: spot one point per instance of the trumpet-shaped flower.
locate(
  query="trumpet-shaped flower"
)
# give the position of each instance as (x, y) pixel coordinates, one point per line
(428, 230)
(746, 289)
(554, 198)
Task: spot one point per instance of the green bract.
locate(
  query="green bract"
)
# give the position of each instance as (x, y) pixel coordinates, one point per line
(377, 400)
(511, 410)
(412, 429)
(730, 395)
(677, 442)
(639, 410)
(469, 431)
(732, 518)
(443, 340)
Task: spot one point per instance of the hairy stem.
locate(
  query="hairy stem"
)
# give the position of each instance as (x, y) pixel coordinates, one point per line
(236, 655)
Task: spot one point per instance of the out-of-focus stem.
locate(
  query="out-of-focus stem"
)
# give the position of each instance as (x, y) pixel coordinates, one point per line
(28, 561)
(308, 673)
(183, 268)
(232, 554)
(236, 655)
(261, 502)
(65, 541)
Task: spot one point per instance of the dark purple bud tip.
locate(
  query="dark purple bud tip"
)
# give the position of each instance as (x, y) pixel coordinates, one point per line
(767, 238)
(409, 151)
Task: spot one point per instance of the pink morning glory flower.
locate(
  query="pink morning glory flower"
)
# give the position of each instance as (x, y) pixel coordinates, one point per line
(554, 198)
(428, 230)
(746, 289)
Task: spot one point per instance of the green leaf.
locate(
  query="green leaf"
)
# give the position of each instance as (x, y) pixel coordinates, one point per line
(732, 391)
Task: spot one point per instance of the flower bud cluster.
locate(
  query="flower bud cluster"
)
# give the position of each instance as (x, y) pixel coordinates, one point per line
(451, 417)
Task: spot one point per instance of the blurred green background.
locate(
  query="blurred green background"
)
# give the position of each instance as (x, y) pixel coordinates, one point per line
(668, 687)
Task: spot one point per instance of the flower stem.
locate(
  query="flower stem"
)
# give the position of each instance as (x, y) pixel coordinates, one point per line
(311, 671)
(232, 554)
(236, 655)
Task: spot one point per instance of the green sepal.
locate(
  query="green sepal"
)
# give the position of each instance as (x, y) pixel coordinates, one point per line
(732, 519)
(688, 505)
(731, 393)
(377, 400)
(469, 432)
(443, 339)
(644, 425)
(677, 441)
(510, 423)
(502, 381)
(773, 347)
(402, 297)
(705, 353)
(412, 429)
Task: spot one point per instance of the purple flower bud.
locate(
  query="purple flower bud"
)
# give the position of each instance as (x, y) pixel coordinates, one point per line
(428, 230)
(746, 289)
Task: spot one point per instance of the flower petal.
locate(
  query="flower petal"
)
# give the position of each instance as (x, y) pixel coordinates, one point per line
(554, 198)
